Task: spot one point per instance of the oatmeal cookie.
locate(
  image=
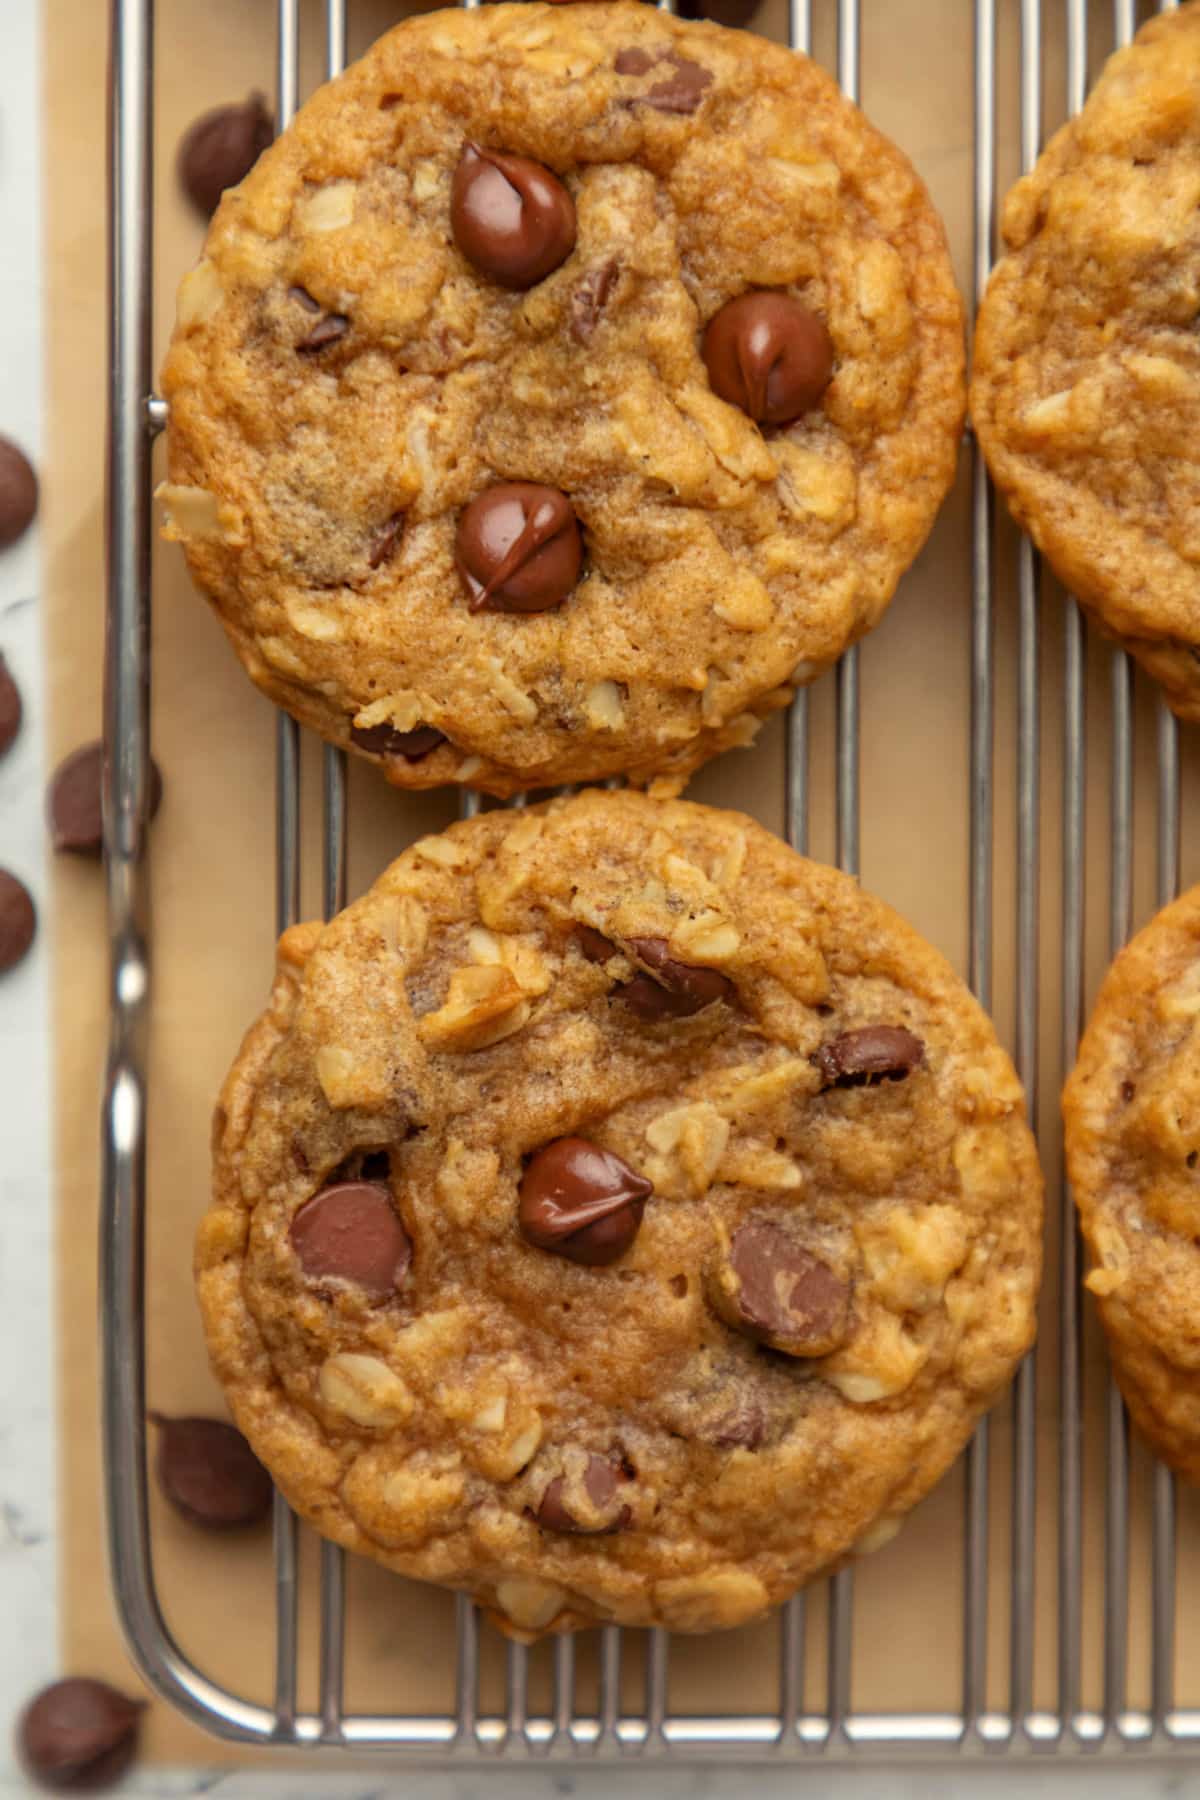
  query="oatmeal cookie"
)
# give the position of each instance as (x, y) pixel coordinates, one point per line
(560, 390)
(616, 1217)
(1132, 1112)
(1086, 382)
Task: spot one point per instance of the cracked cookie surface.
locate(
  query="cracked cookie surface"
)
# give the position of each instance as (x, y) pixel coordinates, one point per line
(1132, 1114)
(616, 1217)
(344, 383)
(1086, 378)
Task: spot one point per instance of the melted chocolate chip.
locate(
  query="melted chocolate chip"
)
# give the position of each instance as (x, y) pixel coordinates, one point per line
(209, 1473)
(768, 355)
(79, 1735)
(18, 493)
(632, 61)
(352, 1232)
(580, 1201)
(683, 89)
(593, 944)
(511, 217)
(10, 707)
(675, 990)
(383, 544)
(329, 330)
(868, 1055)
(773, 1289)
(385, 740)
(601, 1481)
(221, 148)
(18, 921)
(75, 805)
(518, 548)
(591, 297)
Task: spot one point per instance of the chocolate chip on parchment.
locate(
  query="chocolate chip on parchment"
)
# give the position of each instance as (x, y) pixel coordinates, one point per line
(10, 706)
(329, 330)
(601, 1483)
(518, 548)
(590, 298)
(385, 740)
(209, 1473)
(79, 1735)
(773, 1289)
(580, 1201)
(74, 803)
(870, 1054)
(18, 920)
(674, 989)
(511, 217)
(352, 1232)
(221, 148)
(18, 493)
(768, 355)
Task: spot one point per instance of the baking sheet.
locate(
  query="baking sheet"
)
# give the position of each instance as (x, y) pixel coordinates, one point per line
(213, 886)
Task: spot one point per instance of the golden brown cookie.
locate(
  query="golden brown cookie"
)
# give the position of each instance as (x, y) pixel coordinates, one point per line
(1086, 382)
(616, 1217)
(489, 257)
(1132, 1112)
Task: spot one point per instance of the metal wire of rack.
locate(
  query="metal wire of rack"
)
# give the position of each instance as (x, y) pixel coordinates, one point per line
(136, 415)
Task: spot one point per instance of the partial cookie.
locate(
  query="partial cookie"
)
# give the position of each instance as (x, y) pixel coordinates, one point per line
(616, 1217)
(1132, 1112)
(481, 479)
(1086, 383)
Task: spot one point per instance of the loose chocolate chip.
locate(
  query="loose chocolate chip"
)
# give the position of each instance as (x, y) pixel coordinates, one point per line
(769, 355)
(326, 331)
(591, 297)
(79, 1735)
(581, 1202)
(352, 1232)
(518, 548)
(76, 815)
(872, 1053)
(10, 707)
(601, 1480)
(18, 493)
(221, 148)
(593, 944)
(18, 920)
(775, 1290)
(511, 218)
(633, 61)
(683, 89)
(209, 1473)
(385, 740)
(384, 542)
(675, 990)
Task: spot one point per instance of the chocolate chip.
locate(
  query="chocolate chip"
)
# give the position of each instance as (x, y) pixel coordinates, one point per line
(303, 298)
(868, 1055)
(511, 218)
(581, 1202)
(601, 1481)
(768, 355)
(773, 1289)
(10, 707)
(632, 61)
(18, 920)
(79, 1735)
(326, 331)
(385, 740)
(383, 544)
(221, 148)
(518, 548)
(352, 1232)
(591, 297)
(593, 944)
(733, 13)
(76, 815)
(683, 89)
(742, 1427)
(675, 990)
(1127, 1091)
(209, 1473)
(18, 493)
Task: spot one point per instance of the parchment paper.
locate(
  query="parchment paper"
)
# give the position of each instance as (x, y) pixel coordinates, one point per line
(212, 866)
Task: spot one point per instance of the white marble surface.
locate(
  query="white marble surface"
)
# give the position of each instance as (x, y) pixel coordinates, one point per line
(28, 1651)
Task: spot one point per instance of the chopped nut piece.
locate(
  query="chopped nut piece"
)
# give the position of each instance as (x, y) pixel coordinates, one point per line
(484, 1005)
(329, 208)
(364, 1389)
(201, 294)
(529, 1603)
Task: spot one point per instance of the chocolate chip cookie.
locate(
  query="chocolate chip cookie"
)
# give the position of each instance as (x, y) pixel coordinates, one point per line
(1086, 384)
(1132, 1112)
(560, 390)
(616, 1217)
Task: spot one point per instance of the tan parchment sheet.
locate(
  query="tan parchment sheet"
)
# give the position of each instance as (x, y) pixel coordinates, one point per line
(212, 860)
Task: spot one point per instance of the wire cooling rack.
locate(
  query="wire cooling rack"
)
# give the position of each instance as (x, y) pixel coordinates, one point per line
(786, 1726)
